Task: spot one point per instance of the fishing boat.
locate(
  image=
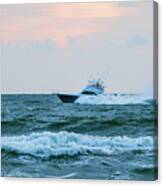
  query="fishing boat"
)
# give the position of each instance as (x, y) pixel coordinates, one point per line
(94, 87)
(67, 98)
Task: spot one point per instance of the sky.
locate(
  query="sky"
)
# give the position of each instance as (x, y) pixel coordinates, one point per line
(58, 47)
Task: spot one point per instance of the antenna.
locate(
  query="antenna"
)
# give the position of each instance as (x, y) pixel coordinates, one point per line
(105, 74)
(100, 79)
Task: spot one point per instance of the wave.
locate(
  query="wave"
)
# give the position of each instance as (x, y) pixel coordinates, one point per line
(48, 144)
(111, 99)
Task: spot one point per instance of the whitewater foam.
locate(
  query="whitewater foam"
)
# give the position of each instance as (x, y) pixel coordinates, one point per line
(47, 144)
(111, 99)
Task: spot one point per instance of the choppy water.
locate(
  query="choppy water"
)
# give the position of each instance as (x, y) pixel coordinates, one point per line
(42, 137)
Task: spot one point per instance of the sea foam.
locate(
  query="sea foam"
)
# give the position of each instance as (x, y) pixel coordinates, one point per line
(47, 144)
(112, 99)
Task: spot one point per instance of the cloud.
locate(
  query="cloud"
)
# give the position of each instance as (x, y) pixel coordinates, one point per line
(60, 21)
(137, 40)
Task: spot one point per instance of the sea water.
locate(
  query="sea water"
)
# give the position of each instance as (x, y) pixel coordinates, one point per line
(103, 137)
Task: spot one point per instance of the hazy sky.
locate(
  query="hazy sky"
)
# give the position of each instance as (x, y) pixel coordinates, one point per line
(58, 47)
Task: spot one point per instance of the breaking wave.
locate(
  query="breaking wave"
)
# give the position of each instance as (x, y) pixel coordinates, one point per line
(48, 144)
(119, 99)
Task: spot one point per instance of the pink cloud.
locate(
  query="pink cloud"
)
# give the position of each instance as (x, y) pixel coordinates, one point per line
(32, 22)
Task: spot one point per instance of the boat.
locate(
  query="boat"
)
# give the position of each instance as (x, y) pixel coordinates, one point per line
(94, 87)
(67, 98)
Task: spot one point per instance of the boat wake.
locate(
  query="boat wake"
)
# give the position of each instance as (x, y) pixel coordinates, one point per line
(48, 144)
(114, 99)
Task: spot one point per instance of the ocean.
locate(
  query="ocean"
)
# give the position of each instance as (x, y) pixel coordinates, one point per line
(109, 137)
